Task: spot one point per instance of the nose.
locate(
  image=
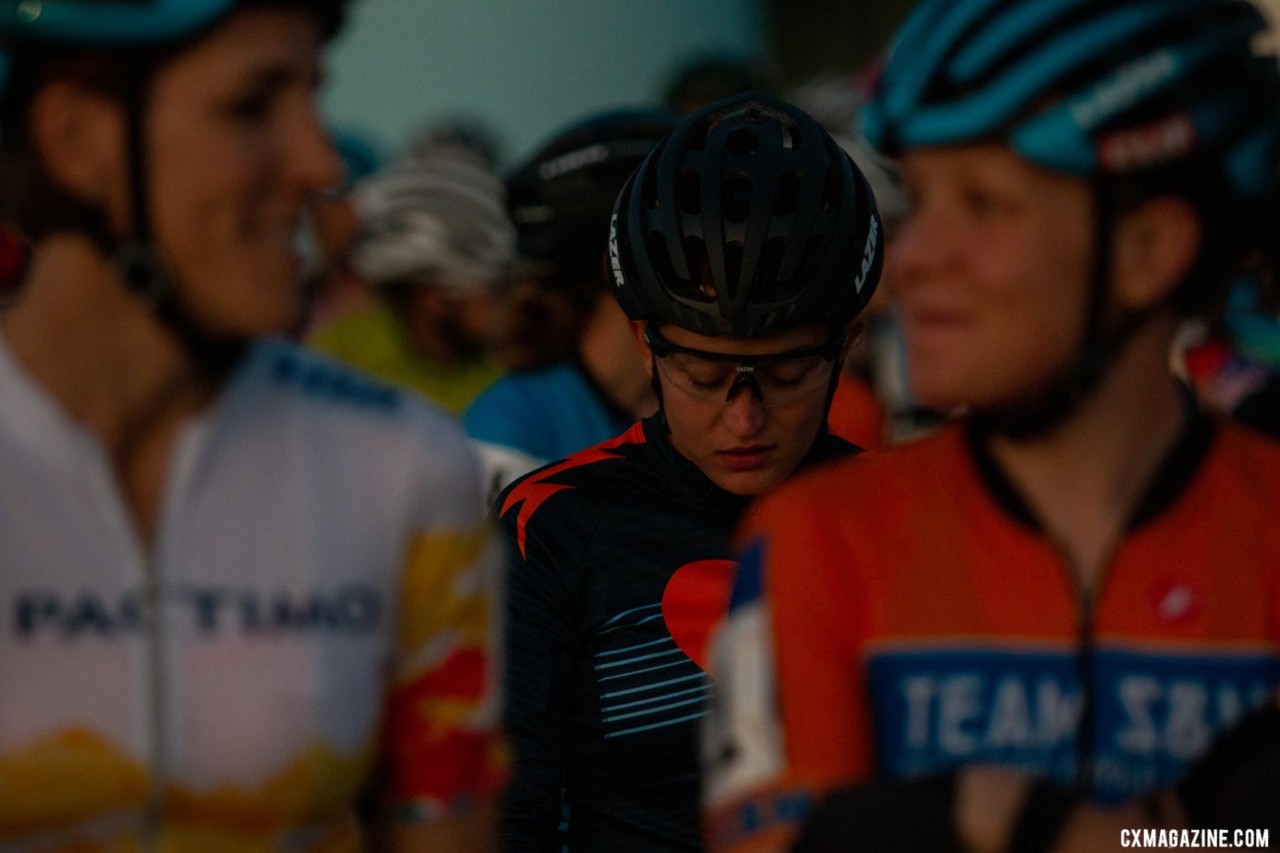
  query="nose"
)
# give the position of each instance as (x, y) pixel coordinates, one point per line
(744, 413)
(313, 159)
(920, 248)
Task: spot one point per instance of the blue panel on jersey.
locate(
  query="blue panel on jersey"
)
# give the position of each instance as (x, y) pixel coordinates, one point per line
(748, 584)
(936, 709)
(320, 379)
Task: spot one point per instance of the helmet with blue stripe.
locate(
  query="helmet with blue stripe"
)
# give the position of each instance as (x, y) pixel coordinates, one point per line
(107, 23)
(121, 24)
(1088, 87)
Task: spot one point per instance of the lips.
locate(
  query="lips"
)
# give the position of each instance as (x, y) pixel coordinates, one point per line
(746, 458)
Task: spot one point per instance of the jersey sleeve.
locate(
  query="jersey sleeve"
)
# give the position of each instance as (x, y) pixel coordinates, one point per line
(788, 720)
(442, 736)
(539, 644)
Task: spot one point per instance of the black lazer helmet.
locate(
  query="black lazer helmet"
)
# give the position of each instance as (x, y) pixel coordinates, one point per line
(748, 219)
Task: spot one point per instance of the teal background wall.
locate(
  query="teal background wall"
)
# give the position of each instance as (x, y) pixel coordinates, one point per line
(525, 66)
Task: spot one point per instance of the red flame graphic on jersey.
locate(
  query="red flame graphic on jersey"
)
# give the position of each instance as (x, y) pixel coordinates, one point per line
(533, 491)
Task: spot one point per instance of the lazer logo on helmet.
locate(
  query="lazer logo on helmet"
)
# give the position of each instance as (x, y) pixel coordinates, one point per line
(614, 263)
(1123, 89)
(208, 611)
(868, 253)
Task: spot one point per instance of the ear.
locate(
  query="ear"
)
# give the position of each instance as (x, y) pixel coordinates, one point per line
(79, 135)
(642, 344)
(1155, 247)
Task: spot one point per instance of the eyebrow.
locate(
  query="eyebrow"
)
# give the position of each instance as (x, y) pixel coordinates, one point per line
(281, 74)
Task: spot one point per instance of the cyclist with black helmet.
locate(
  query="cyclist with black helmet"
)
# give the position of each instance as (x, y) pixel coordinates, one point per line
(742, 249)
(230, 568)
(560, 200)
(1077, 582)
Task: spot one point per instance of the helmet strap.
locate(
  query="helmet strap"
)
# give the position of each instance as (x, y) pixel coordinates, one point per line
(657, 392)
(139, 264)
(837, 368)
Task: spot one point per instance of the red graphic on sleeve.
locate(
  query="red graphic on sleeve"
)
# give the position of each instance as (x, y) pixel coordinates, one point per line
(534, 491)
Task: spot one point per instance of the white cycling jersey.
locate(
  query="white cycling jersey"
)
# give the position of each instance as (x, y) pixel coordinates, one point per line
(320, 533)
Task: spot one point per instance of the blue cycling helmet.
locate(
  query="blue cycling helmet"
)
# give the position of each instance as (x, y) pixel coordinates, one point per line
(96, 23)
(1087, 87)
(122, 23)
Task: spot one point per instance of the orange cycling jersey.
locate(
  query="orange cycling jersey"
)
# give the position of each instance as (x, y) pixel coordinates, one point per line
(903, 614)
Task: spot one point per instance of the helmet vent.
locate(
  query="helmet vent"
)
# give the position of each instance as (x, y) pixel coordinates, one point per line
(663, 267)
(743, 143)
(689, 192)
(768, 266)
(813, 254)
(733, 253)
(831, 189)
(701, 286)
(736, 200)
(697, 138)
(649, 192)
(788, 195)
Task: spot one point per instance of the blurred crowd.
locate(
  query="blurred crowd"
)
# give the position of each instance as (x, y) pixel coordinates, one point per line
(442, 270)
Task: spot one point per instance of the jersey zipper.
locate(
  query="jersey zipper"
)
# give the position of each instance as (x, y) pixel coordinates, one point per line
(1086, 659)
(1085, 669)
(157, 701)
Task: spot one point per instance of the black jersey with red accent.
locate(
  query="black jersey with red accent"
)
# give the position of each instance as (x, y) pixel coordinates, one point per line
(619, 567)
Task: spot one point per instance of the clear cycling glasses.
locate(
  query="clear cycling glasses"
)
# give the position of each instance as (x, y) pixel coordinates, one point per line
(777, 379)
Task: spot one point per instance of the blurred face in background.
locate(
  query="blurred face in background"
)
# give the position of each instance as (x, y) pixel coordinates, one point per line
(537, 323)
(990, 270)
(447, 321)
(236, 151)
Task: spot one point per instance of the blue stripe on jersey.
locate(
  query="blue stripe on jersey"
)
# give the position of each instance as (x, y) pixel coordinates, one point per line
(661, 725)
(655, 685)
(702, 690)
(611, 652)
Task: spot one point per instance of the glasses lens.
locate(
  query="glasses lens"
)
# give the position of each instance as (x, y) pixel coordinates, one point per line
(782, 381)
(702, 378)
(792, 379)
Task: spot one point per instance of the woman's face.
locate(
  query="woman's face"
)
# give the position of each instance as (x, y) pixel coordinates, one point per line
(235, 151)
(745, 444)
(991, 272)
